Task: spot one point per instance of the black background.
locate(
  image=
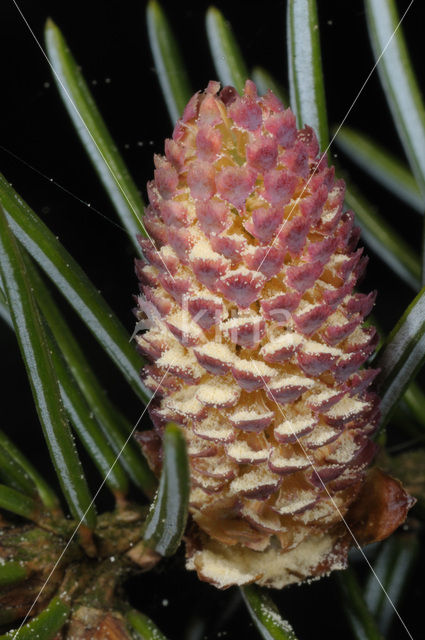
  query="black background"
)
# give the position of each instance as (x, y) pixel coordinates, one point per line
(38, 144)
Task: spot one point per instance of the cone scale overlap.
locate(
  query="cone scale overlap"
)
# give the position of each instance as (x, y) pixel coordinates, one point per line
(256, 339)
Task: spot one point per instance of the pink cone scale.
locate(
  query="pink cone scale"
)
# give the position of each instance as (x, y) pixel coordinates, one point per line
(256, 340)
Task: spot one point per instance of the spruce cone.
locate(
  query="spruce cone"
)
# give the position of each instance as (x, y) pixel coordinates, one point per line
(256, 342)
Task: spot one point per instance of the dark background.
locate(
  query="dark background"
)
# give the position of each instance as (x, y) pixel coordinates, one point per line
(40, 153)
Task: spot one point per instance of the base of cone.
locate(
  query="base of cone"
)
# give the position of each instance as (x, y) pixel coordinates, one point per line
(225, 566)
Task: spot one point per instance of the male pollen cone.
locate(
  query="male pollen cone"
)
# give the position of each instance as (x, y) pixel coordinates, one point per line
(256, 344)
